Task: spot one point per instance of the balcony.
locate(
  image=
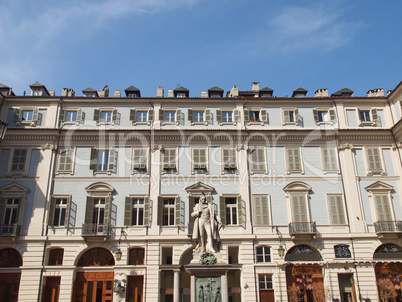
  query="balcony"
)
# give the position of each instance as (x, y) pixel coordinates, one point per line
(388, 228)
(95, 230)
(11, 230)
(303, 230)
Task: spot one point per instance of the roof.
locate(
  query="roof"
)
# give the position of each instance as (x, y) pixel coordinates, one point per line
(266, 89)
(36, 85)
(181, 89)
(3, 86)
(131, 89)
(343, 91)
(299, 90)
(216, 88)
(89, 89)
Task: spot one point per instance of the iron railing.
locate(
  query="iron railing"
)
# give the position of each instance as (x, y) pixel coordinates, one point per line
(10, 230)
(388, 226)
(302, 228)
(95, 229)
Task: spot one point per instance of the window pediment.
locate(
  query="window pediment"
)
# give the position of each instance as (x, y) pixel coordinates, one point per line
(297, 186)
(379, 186)
(14, 189)
(199, 188)
(100, 188)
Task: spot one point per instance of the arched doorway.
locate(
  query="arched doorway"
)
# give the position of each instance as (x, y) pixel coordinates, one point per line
(185, 278)
(94, 286)
(388, 272)
(10, 281)
(304, 279)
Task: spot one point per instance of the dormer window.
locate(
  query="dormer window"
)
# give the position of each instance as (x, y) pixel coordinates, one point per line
(90, 92)
(215, 92)
(299, 93)
(181, 92)
(37, 92)
(132, 92)
(38, 89)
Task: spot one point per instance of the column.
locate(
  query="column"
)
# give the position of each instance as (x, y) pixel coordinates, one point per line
(176, 286)
(192, 288)
(224, 288)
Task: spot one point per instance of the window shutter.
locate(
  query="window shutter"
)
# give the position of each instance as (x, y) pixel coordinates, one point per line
(219, 116)
(96, 115)
(62, 115)
(374, 159)
(332, 115)
(191, 206)
(239, 211)
(79, 115)
(296, 115)
(207, 115)
(17, 115)
(51, 211)
(291, 161)
(374, 114)
(146, 211)
(222, 209)
(94, 160)
(341, 212)
(257, 213)
(177, 206)
(62, 159)
(108, 205)
(150, 115)
(246, 115)
(286, 116)
(133, 115)
(68, 209)
(315, 113)
(161, 115)
(202, 158)
(178, 115)
(236, 115)
(333, 209)
(383, 208)
(112, 159)
(68, 164)
(299, 209)
(264, 117)
(190, 115)
(89, 210)
(35, 115)
(127, 211)
(19, 215)
(160, 210)
(114, 115)
(2, 205)
(265, 210)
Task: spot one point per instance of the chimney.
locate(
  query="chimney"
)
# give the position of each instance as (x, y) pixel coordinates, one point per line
(255, 86)
(52, 93)
(204, 94)
(375, 93)
(67, 92)
(104, 93)
(159, 92)
(321, 93)
(117, 94)
(234, 92)
(170, 93)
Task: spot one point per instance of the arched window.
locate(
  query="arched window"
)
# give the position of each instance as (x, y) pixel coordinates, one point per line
(302, 252)
(10, 258)
(56, 257)
(263, 254)
(96, 257)
(136, 256)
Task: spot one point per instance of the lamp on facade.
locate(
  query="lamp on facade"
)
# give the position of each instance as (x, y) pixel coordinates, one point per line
(118, 253)
(281, 249)
(3, 128)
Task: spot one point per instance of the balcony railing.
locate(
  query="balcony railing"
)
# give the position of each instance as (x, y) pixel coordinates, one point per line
(10, 230)
(296, 228)
(95, 229)
(388, 226)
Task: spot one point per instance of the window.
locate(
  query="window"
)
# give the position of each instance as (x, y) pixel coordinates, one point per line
(368, 116)
(170, 116)
(66, 161)
(374, 160)
(336, 209)
(199, 161)
(103, 160)
(105, 116)
(136, 256)
(383, 208)
(342, 251)
(59, 211)
(140, 160)
(261, 212)
(19, 162)
(299, 208)
(141, 116)
(255, 116)
(294, 160)
(263, 254)
(37, 92)
(167, 255)
(329, 159)
(322, 116)
(265, 281)
(180, 95)
(258, 161)
(98, 212)
(137, 211)
(297, 196)
(231, 210)
(226, 116)
(229, 164)
(380, 195)
(169, 160)
(169, 211)
(11, 211)
(56, 257)
(70, 116)
(290, 116)
(27, 116)
(199, 116)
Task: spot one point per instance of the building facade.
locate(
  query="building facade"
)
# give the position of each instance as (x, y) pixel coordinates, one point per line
(96, 193)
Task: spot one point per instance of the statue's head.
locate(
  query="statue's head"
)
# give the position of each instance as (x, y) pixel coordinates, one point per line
(203, 198)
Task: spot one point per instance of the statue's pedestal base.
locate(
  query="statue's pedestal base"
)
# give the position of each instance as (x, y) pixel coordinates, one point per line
(197, 257)
(208, 282)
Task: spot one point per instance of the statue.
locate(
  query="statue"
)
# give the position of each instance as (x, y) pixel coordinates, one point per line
(201, 294)
(206, 226)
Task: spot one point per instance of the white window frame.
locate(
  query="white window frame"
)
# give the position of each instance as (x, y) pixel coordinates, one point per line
(297, 188)
(331, 116)
(206, 116)
(264, 163)
(14, 191)
(262, 119)
(266, 281)
(65, 111)
(141, 167)
(23, 172)
(194, 166)
(381, 171)
(64, 206)
(233, 207)
(380, 189)
(263, 254)
(373, 116)
(36, 92)
(235, 116)
(72, 157)
(137, 207)
(145, 210)
(285, 120)
(108, 170)
(150, 116)
(257, 210)
(288, 168)
(175, 169)
(332, 163)
(232, 165)
(113, 116)
(330, 214)
(177, 112)
(18, 116)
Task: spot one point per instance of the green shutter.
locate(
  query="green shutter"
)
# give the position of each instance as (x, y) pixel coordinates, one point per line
(150, 115)
(68, 208)
(127, 211)
(177, 205)
(94, 160)
(222, 209)
(161, 115)
(296, 115)
(35, 115)
(240, 219)
(207, 115)
(257, 213)
(236, 114)
(62, 115)
(133, 115)
(219, 116)
(160, 210)
(374, 114)
(264, 116)
(383, 208)
(89, 210)
(79, 115)
(96, 115)
(246, 115)
(190, 115)
(286, 116)
(108, 205)
(315, 113)
(17, 117)
(265, 210)
(178, 115)
(146, 211)
(114, 115)
(332, 115)
(51, 211)
(112, 159)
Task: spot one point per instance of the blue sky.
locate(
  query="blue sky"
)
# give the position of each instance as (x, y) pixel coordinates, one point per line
(199, 44)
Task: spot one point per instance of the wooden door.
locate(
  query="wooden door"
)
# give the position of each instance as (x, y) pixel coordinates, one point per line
(9, 286)
(267, 295)
(135, 288)
(94, 287)
(52, 289)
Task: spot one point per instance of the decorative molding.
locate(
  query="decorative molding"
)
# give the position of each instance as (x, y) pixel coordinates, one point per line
(345, 146)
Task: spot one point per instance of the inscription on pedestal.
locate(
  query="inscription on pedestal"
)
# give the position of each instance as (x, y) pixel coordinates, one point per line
(208, 289)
